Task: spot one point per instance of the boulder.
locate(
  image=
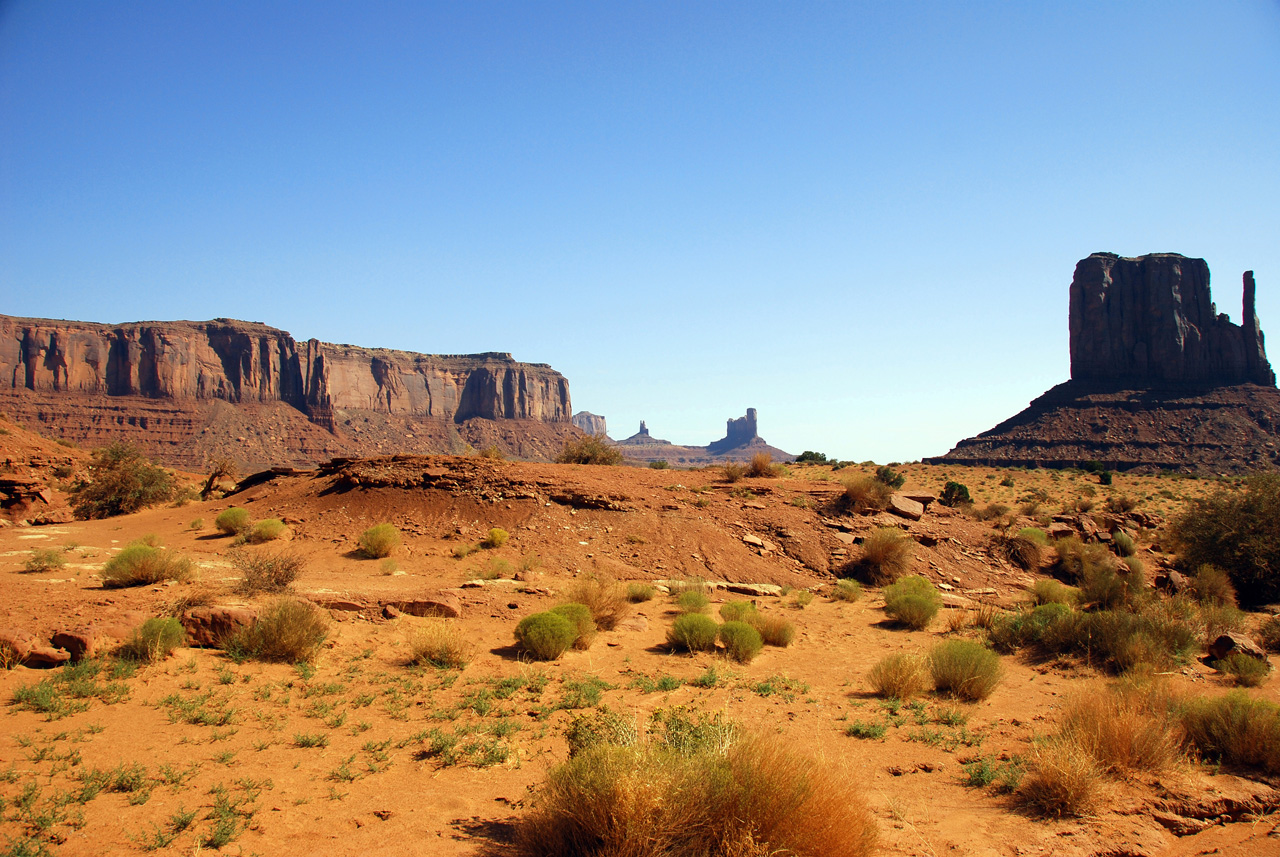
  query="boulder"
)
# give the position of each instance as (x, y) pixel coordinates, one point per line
(209, 627)
(1232, 643)
(15, 645)
(444, 604)
(80, 644)
(1060, 530)
(905, 507)
(46, 657)
(924, 498)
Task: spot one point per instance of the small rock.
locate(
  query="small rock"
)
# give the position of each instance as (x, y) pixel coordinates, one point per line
(209, 627)
(46, 657)
(444, 603)
(754, 541)
(391, 611)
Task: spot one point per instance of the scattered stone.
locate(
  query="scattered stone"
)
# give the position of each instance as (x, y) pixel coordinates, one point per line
(754, 541)
(391, 611)
(209, 627)
(444, 603)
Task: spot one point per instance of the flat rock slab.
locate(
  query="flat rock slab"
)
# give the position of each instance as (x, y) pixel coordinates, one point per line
(905, 507)
(443, 604)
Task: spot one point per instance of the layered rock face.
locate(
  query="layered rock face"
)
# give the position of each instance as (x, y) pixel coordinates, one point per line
(1159, 380)
(169, 374)
(1150, 320)
(591, 423)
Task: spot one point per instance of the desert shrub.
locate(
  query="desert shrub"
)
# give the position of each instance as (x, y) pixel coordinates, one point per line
(121, 480)
(1135, 566)
(547, 635)
(692, 601)
(606, 600)
(496, 538)
(991, 511)
(379, 541)
(886, 556)
(438, 643)
(955, 494)
(736, 611)
(1019, 550)
(1238, 531)
(1219, 619)
(44, 560)
(388, 566)
(1212, 585)
(964, 668)
(233, 521)
(1236, 729)
(1105, 587)
(1035, 534)
(493, 453)
(1009, 632)
(659, 464)
(1123, 640)
(1123, 543)
(579, 615)
(912, 601)
(1246, 671)
(154, 640)
(140, 564)
(733, 471)
(774, 630)
(1123, 505)
(266, 572)
(288, 630)
(741, 641)
(762, 466)
(811, 457)
(847, 590)
(1046, 590)
(750, 796)
(864, 493)
(1074, 560)
(888, 476)
(638, 593)
(899, 676)
(1122, 730)
(692, 632)
(1063, 781)
(266, 531)
(1269, 634)
(590, 449)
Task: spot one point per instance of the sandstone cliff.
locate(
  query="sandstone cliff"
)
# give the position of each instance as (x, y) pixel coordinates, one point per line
(1159, 380)
(591, 423)
(85, 380)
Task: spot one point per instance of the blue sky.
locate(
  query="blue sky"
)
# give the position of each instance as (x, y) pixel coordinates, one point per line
(859, 218)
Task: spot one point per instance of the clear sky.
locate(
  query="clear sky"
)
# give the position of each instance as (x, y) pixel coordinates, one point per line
(859, 218)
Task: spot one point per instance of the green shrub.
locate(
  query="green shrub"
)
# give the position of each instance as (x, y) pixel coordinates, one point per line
(1239, 531)
(288, 630)
(545, 636)
(899, 676)
(233, 521)
(266, 531)
(1123, 640)
(141, 564)
(736, 611)
(886, 556)
(1011, 631)
(865, 493)
(1046, 590)
(888, 476)
(741, 641)
(912, 601)
(1212, 585)
(579, 615)
(1236, 729)
(847, 590)
(1105, 587)
(638, 593)
(955, 494)
(154, 640)
(692, 601)
(266, 572)
(774, 630)
(964, 668)
(692, 632)
(1124, 543)
(379, 541)
(44, 560)
(659, 464)
(496, 538)
(591, 449)
(1269, 634)
(1035, 534)
(1074, 560)
(1247, 671)
(121, 480)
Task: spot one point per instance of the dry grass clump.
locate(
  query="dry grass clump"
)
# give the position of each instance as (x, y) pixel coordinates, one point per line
(44, 560)
(139, 564)
(912, 601)
(761, 466)
(591, 449)
(233, 521)
(496, 538)
(886, 556)
(741, 641)
(1064, 781)
(638, 593)
(1212, 586)
(965, 669)
(1128, 729)
(606, 599)
(379, 541)
(899, 676)
(1049, 591)
(692, 601)
(289, 630)
(438, 643)
(583, 625)
(1268, 635)
(864, 493)
(154, 640)
(733, 471)
(774, 630)
(751, 797)
(546, 636)
(692, 632)
(1236, 729)
(847, 590)
(1246, 671)
(1022, 551)
(266, 531)
(266, 572)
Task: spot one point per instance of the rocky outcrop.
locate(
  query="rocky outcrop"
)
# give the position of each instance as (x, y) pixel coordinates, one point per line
(739, 444)
(162, 384)
(737, 433)
(1160, 380)
(592, 424)
(1150, 320)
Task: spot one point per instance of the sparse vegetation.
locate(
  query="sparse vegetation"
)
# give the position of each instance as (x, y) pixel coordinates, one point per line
(44, 560)
(847, 589)
(737, 611)
(379, 541)
(1238, 531)
(1245, 670)
(638, 593)
(495, 538)
(692, 632)
(438, 643)
(154, 640)
(912, 601)
(692, 601)
(899, 676)
(733, 471)
(266, 531)
(233, 521)
(266, 572)
(774, 630)
(965, 669)
(606, 599)
(121, 480)
(955, 494)
(139, 564)
(864, 493)
(1064, 781)
(1212, 586)
(889, 477)
(886, 556)
(584, 626)
(546, 636)
(288, 630)
(741, 641)
(761, 466)
(1236, 729)
(591, 449)
(1022, 551)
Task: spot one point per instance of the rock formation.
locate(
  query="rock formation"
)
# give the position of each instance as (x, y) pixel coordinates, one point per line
(739, 443)
(592, 424)
(1159, 380)
(737, 433)
(164, 372)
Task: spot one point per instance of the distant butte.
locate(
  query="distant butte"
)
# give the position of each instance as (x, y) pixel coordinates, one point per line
(739, 444)
(1159, 379)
